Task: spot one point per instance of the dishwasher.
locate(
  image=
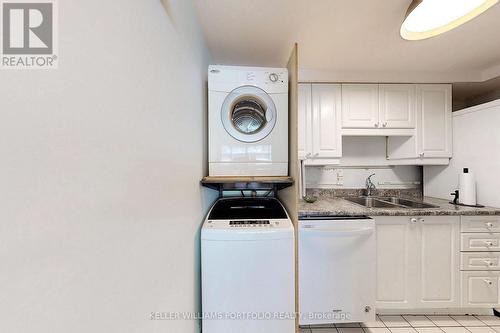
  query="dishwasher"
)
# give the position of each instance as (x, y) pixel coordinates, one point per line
(336, 263)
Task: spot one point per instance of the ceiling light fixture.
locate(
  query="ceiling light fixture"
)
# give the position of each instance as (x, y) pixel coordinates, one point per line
(429, 18)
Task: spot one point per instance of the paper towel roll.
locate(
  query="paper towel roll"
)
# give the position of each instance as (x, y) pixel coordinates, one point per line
(467, 189)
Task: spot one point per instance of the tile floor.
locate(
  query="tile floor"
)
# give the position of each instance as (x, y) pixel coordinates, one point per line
(415, 324)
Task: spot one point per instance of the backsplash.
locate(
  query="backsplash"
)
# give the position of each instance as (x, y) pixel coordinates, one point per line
(361, 157)
(337, 177)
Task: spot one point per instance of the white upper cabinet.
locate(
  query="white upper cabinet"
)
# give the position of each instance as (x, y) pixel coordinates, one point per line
(415, 118)
(435, 120)
(360, 106)
(326, 115)
(397, 105)
(304, 120)
(378, 106)
(319, 123)
(432, 140)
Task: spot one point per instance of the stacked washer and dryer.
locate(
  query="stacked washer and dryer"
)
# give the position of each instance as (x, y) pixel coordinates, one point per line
(247, 244)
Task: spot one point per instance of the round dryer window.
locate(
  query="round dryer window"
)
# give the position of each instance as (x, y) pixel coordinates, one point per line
(248, 114)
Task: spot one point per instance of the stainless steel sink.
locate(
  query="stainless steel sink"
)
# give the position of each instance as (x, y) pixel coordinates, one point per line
(408, 203)
(389, 202)
(370, 202)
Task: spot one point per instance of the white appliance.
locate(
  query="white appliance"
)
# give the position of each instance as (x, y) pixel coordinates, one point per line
(247, 121)
(247, 264)
(336, 259)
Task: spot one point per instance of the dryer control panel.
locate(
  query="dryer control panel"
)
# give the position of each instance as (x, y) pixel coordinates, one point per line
(228, 78)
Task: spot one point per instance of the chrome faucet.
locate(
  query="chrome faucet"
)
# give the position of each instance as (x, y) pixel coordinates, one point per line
(369, 185)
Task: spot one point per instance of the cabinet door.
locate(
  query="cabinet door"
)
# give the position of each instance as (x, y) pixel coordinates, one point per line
(481, 289)
(360, 106)
(435, 121)
(304, 121)
(326, 128)
(397, 105)
(396, 265)
(438, 262)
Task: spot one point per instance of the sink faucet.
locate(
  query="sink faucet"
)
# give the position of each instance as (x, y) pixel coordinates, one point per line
(369, 185)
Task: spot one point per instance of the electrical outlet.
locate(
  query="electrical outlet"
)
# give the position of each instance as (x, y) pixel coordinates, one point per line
(340, 177)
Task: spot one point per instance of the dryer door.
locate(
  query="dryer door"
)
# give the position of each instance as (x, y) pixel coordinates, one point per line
(248, 114)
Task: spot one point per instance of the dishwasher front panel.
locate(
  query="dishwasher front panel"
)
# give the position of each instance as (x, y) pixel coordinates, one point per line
(337, 276)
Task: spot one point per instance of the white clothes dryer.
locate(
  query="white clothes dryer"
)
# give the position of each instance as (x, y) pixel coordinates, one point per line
(248, 121)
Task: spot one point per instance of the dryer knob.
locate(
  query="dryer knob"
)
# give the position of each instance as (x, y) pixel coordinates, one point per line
(273, 77)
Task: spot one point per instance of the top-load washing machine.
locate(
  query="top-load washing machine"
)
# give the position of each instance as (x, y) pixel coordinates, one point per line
(248, 121)
(247, 267)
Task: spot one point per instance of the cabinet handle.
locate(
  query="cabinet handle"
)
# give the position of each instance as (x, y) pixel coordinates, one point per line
(413, 220)
(384, 124)
(376, 124)
(488, 282)
(421, 155)
(488, 243)
(308, 155)
(489, 225)
(421, 220)
(488, 262)
(316, 154)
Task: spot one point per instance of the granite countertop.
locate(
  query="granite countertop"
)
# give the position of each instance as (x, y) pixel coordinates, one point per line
(339, 206)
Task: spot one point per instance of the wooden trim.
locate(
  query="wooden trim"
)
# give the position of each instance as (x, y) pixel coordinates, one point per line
(290, 195)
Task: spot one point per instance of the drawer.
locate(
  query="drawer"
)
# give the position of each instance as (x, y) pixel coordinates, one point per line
(480, 261)
(480, 223)
(480, 289)
(480, 242)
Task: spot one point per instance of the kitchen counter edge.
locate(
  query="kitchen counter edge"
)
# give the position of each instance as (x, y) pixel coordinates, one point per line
(341, 207)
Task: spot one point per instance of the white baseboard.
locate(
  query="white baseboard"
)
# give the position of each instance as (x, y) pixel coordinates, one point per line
(450, 311)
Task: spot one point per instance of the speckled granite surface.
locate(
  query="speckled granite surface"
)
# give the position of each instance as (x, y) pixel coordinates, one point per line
(338, 206)
(413, 193)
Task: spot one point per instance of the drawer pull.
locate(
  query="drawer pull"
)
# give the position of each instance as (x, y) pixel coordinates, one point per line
(488, 243)
(488, 282)
(489, 225)
(488, 262)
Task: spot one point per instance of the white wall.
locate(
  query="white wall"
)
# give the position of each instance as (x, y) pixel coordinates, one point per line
(364, 156)
(476, 145)
(352, 178)
(100, 167)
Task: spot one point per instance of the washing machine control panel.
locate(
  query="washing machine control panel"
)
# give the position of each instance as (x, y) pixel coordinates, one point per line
(250, 224)
(274, 224)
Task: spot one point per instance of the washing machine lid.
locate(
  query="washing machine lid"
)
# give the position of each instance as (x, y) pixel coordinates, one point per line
(247, 209)
(248, 114)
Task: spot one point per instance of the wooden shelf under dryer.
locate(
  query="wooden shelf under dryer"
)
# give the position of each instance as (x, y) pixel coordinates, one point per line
(236, 183)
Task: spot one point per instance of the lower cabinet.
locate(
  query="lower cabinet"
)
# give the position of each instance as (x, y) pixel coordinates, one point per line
(480, 289)
(418, 262)
(396, 239)
(480, 261)
(438, 262)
